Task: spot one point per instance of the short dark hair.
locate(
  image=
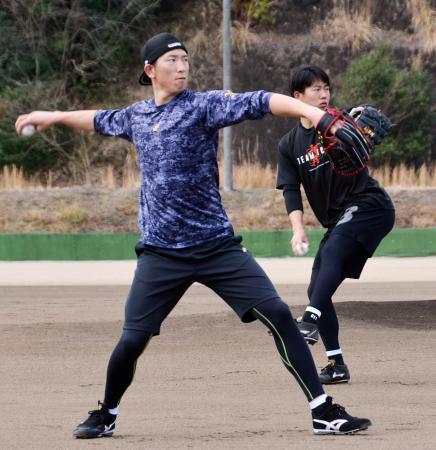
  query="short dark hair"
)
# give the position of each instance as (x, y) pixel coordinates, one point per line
(305, 76)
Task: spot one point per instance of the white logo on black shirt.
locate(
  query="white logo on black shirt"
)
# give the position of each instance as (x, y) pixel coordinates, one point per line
(312, 156)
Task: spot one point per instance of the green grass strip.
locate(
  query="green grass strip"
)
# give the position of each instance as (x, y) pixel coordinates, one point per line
(106, 246)
(399, 242)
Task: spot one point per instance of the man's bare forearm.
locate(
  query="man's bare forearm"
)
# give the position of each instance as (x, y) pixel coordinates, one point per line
(296, 218)
(283, 105)
(81, 120)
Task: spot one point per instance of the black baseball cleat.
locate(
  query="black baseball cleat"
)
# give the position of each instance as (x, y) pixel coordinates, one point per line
(100, 423)
(309, 331)
(334, 373)
(335, 420)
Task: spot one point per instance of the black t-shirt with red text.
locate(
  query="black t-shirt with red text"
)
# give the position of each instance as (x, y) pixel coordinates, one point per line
(302, 160)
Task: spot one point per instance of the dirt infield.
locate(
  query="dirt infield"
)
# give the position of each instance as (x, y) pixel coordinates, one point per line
(209, 381)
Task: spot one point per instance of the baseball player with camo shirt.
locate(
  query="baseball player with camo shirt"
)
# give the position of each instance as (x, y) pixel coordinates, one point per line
(186, 236)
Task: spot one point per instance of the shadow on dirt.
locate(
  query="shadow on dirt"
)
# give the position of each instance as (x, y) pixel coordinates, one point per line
(388, 314)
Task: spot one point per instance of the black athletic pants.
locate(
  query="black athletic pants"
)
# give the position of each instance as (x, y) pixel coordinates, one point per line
(225, 266)
(274, 314)
(343, 253)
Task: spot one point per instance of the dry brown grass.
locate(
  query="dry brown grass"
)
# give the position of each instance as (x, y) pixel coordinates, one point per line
(13, 179)
(243, 37)
(423, 217)
(423, 22)
(402, 176)
(73, 214)
(246, 176)
(241, 34)
(131, 178)
(250, 176)
(350, 24)
(108, 177)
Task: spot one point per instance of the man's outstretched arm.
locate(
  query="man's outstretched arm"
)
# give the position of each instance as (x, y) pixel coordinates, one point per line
(283, 105)
(80, 120)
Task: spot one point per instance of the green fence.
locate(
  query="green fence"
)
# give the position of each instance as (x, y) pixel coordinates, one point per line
(100, 246)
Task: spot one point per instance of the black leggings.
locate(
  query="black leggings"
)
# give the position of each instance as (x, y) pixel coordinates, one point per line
(293, 350)
(275, 314)
(122, 364)
(334, 257)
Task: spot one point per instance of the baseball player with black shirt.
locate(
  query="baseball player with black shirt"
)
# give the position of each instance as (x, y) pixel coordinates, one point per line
(186, 236)
(356, 211)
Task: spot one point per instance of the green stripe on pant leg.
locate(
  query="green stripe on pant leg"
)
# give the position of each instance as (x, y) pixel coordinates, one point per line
(287, 361)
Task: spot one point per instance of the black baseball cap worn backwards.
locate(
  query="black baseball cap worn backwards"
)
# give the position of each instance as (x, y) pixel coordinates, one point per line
(156, 47)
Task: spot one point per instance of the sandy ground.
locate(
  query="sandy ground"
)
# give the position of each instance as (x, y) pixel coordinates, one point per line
(209, 381)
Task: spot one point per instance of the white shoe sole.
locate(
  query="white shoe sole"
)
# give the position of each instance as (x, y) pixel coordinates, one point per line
(334, 382)
(326, 432)
(357, 430)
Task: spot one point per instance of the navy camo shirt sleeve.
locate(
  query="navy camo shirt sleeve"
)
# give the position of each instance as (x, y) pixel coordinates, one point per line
(226, 108)
(114, 122)
(177, 143)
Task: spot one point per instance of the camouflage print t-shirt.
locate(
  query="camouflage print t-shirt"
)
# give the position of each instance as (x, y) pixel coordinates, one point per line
(180, 203)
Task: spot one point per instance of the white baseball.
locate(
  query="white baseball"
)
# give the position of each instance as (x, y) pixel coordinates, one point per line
(28, 130)
(302, 249)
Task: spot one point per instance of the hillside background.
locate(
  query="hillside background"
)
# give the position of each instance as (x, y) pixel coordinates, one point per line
(78, 54)
(328, 33)
(81, 54)
(81, 210)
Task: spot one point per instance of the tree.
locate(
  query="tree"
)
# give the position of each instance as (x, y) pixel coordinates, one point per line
(405, 95)
(54, 54)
